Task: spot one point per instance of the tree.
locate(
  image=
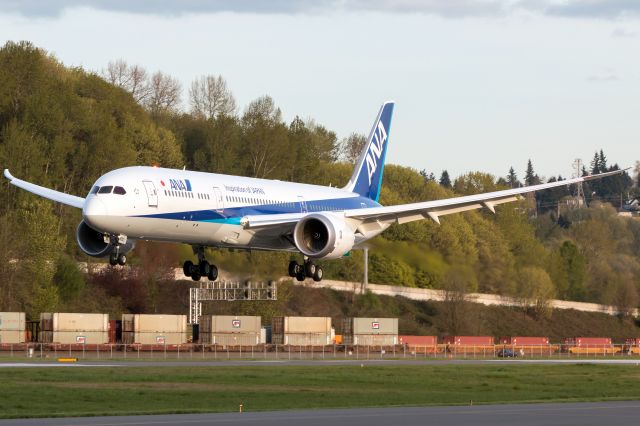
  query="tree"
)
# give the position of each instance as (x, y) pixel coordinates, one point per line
(132, 78)
(512, 179)
(445, 180)
(351, 147)
(209, 97)
(164, 93)
(531, 178)
(535, 290)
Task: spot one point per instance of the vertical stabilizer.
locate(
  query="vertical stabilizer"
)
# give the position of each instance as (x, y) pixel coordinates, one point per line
(367, 175)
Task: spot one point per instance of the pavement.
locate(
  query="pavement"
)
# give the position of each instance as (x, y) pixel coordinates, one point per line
(578, 414)
(267, 363)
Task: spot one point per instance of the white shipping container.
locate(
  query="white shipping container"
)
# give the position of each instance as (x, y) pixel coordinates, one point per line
(12, 336)
(12, 321)
(169, 324)
(75, 337)
(61, 321)
(159, 338)
(375, 326)
(375, 339)
(230, 324)
(235, 339)
(293, 325)
(308, 339)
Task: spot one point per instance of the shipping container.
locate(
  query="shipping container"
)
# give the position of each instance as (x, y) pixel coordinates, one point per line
(418, 340)
(588, 341)
(12, 321)
(230, 324)
(375, 326)
(468, 340)
(12, 336)
(524, 340)
(74, 337)
(230, 339)
(305, 339)
(154, 329)
(294, 325)
(375, 339)
(62, 321)
(302, 331)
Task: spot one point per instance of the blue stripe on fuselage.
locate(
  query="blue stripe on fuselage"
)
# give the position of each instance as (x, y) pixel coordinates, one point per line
(232, 215)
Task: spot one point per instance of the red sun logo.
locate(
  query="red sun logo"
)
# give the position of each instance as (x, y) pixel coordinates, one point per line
(162, 182)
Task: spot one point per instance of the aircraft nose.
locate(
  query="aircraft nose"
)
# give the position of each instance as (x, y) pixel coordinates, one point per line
(93, 211)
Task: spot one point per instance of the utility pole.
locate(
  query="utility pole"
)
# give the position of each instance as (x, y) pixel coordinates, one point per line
(365, 280)
(577, 171)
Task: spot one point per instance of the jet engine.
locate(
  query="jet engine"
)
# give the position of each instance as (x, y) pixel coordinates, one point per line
(323, 236)
(92, 242)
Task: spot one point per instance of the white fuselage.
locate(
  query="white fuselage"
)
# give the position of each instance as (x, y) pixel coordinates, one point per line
(204, 208)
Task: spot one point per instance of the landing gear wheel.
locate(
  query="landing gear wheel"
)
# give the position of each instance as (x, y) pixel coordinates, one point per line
(309, 269)
(318, 275)
(195, 276)
(205, 268)
(187, 267)
(122, 259)
(300, 276)
(113, 259)
(293, 268)
(213, 273)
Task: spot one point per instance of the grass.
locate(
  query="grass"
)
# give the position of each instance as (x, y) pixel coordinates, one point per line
(34, 392)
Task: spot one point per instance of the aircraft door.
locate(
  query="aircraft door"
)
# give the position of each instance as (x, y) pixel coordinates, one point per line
(152, 194)
(218, 199)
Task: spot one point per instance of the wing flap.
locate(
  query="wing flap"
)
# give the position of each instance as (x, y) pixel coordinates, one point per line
(60, 197)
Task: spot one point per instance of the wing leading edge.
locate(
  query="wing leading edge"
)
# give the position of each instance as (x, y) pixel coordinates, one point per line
(60, 197)
(434, 209)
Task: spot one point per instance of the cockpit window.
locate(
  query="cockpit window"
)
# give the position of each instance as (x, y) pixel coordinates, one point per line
(94, 190)
(105, 190)
(119, 190)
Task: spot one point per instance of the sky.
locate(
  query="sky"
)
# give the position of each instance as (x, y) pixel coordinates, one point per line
(479, 85)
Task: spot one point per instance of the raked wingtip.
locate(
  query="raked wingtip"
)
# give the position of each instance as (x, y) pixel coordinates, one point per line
(7, 174)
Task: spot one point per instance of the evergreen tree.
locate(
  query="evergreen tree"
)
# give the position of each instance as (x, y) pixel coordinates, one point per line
(512, 179)
(602, 162)
(445, 180)
(530, 177)
(595, 164)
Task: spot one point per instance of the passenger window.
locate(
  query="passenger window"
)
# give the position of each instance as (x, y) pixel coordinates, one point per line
(119, 190)
(94, 190)
(105, 190)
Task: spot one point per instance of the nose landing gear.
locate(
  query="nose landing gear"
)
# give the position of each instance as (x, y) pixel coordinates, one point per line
(307, 270)
(202, 269)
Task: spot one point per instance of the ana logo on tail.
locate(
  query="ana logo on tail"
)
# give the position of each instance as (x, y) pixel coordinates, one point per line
(375, 149)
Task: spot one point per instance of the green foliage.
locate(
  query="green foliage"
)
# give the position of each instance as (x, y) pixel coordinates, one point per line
(64, 127)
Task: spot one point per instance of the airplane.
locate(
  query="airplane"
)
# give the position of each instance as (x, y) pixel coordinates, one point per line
(222, 211)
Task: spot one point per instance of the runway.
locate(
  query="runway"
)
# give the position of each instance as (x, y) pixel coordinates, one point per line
(578, 414)
(267, 363)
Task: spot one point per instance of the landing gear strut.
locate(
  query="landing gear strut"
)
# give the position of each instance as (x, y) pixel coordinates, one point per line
(202, 269)
(307, 270)
(116, 258)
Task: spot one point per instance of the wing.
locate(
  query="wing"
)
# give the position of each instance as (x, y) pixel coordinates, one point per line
(434, 209)
(61, 197)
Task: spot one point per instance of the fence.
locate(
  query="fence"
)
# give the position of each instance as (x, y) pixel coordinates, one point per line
(306, 352)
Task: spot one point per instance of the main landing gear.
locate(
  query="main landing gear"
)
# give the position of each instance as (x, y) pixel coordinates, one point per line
(307, 270)
(202, 269)
(116, 258)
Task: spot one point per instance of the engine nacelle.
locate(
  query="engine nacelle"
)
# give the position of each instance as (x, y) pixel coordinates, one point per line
(323, 235)
(92, 242)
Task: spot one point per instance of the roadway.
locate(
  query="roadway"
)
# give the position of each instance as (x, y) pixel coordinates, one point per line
(267, 363)
(578, 414)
